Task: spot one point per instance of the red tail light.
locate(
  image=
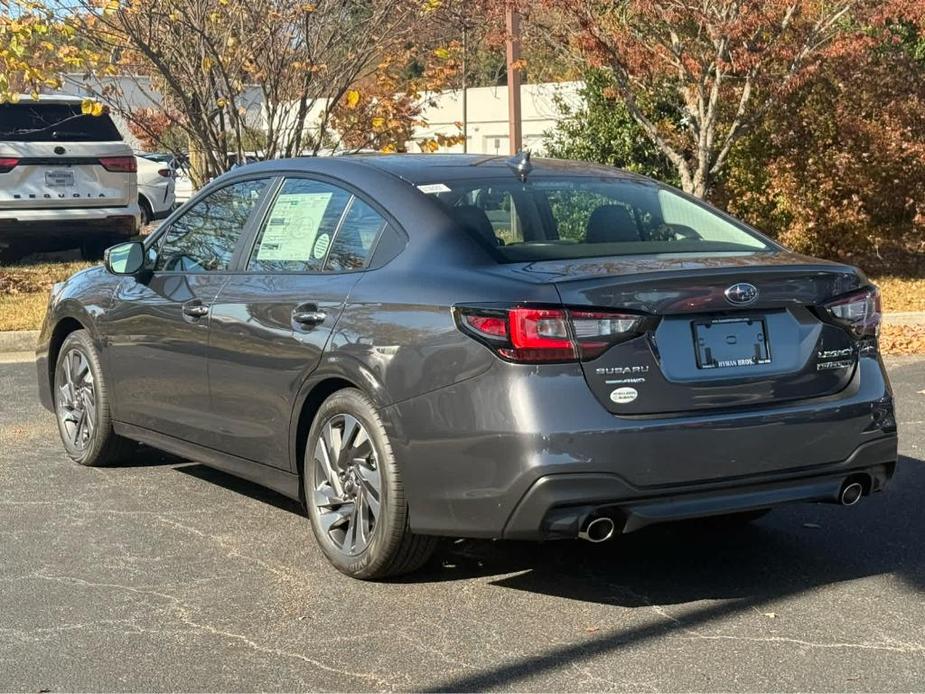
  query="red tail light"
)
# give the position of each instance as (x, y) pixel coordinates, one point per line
(119, 164)
(7, 164)
(532, 335)
(164, 172)
(858, 311)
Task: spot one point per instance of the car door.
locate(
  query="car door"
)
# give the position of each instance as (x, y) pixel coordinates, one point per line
(270, 324)
(157, 328)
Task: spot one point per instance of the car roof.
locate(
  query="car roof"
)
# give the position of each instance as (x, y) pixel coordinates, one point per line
(432, 168)
(419, 169)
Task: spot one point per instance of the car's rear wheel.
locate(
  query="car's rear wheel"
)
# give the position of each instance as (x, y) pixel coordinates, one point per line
(82, 405)
(354, 494)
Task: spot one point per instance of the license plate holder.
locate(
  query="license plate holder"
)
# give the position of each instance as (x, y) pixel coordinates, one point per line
(59, 179)
(731, 342)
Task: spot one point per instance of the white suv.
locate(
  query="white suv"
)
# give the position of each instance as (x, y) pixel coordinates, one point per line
(66, 179)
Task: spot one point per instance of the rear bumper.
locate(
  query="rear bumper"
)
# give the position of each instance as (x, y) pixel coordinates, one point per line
(30, 226)
(557, 506)
(496, 455)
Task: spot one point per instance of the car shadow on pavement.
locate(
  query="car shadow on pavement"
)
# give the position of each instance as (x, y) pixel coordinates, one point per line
(241, 486)
(792, 552)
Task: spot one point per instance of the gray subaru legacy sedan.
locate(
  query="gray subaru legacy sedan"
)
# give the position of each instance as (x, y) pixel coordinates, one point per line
(469, 346)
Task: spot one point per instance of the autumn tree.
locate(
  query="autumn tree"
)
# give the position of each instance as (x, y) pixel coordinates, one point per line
(37, 46)
(726, 62)
(227, 73)
(838, 169)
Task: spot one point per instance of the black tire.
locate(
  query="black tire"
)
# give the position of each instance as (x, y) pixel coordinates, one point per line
(13, 254)
(96, 444)
(93, 248)
(147, 214)
(391, 548)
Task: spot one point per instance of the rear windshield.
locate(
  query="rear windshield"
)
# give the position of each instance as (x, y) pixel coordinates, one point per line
(44, 122)
(585, 217)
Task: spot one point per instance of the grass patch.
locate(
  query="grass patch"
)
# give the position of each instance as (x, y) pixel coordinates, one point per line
(901, 293)
(24, 291)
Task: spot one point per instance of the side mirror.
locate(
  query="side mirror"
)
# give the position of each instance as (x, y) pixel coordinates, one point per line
(125, 259)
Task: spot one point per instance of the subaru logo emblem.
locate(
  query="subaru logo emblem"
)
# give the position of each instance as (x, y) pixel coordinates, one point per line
(742, 294)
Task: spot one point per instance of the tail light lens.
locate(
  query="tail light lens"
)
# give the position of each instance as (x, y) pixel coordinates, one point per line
(164, 172)
(858, 311)
(7, 164)
(535, 335)
(119, 164)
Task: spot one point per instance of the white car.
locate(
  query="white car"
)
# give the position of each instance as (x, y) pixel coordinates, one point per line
(67, 179)
(156, 189)
(184, 186)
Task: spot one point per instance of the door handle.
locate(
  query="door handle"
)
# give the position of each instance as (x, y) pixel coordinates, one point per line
(308, 315)
(195, 309)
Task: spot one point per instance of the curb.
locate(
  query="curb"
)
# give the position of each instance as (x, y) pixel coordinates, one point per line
(18, 340)
(905, 318)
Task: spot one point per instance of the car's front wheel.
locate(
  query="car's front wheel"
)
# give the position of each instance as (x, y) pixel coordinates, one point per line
(82, 405)
(354, 494)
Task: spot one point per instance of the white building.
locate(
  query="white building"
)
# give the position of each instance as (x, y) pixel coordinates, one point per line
(487, 111)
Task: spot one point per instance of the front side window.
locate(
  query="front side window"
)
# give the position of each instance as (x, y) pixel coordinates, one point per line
(553, 218)
(316, 227)
(204, 238)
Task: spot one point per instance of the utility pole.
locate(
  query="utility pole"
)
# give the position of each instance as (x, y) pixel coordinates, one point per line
(465, 85)
(513, 78)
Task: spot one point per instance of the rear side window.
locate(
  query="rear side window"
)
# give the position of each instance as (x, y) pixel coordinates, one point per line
(314, 226)
(554, 218)
(354, 241)
(204, 238)
(44, 122)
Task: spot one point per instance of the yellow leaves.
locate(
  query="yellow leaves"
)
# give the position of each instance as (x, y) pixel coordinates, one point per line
(388, 148)
(221, 102)
(442, 53)
(429, 146)
(353, 98)
(429, 6)
(378, 122)
(89, 107)
(206, 63)
(308, 7)
(110, 7)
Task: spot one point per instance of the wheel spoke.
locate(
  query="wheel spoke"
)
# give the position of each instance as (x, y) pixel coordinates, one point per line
(335, 519)
(332, 439)
(78, 429)
(371, 500)
(68, 374)
(351, 430)
(331, 475)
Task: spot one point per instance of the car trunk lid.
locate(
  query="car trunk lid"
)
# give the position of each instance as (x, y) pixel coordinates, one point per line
(711, 344)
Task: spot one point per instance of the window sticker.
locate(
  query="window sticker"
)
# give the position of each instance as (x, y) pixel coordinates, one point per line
(431, 188)
(293, 225)
(321, 246)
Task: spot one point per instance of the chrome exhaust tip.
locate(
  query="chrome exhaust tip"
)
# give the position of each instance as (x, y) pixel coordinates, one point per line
(851, 494)
(597, 530)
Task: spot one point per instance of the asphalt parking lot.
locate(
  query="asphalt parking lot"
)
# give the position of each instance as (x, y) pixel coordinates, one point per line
(165, 575)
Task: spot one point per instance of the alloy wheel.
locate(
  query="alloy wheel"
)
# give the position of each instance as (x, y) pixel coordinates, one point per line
(76, 399)
(347, 483)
